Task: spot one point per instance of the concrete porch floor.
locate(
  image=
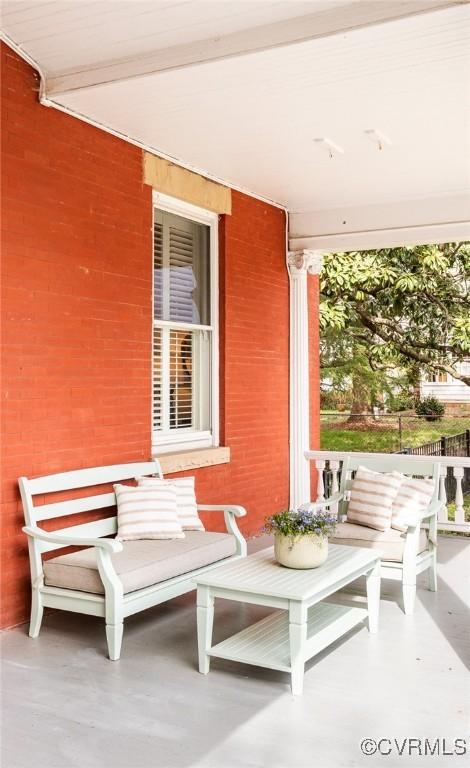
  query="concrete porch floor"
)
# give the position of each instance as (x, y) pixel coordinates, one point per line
(66, 705)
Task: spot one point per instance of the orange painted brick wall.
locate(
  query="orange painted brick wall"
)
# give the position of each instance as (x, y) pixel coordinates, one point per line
(76, 262)
(76, 239)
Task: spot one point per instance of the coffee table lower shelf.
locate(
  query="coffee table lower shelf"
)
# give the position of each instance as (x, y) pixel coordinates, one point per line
(266, 643)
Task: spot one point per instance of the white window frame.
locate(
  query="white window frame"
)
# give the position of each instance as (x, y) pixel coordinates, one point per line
(187, 440)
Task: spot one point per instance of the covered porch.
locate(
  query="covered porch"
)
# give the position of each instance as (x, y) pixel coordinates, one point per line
(275, 133)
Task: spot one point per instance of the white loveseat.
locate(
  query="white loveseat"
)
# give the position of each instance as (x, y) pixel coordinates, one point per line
(404, 554)
(107, 577)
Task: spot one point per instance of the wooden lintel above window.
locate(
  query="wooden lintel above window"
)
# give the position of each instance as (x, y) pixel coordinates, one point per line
(171, 179)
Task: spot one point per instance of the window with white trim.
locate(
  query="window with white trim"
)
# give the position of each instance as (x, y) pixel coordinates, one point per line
(185, 370)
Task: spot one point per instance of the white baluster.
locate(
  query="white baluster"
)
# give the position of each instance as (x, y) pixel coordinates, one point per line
(459, 510)
(320, 465)
(334, 466)
(443, 516)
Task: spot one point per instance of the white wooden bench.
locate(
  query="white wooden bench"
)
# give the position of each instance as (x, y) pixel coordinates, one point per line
(115, 603)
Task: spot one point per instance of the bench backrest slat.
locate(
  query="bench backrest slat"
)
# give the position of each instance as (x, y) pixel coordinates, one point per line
(394, 463)
(83, 478)
(74, 506)
(80, 478)
(96, 529)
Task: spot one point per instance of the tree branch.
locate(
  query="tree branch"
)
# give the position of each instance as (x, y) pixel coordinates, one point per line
(410, 352)
(395, 329)
(335, 364)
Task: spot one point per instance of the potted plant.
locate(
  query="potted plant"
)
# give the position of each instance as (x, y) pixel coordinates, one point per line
(301, 536)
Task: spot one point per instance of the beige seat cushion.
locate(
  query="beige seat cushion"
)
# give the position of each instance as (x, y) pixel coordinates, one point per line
(141, 563)
(391, 542)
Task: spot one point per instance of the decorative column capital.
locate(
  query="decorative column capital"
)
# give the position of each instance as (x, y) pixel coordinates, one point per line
(304, 262)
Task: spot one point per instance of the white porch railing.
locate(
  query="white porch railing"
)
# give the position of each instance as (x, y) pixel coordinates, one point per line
(332, 460)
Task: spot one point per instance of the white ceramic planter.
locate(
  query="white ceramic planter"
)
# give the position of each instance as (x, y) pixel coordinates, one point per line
(305, 551)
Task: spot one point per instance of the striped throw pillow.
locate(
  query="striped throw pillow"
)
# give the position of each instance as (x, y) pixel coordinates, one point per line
(147, 512)
(372, 497)
(186, 506)
(413, 497)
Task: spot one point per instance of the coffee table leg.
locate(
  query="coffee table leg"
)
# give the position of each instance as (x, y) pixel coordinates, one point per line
(373, 597)
(297, 641)
(205, 619)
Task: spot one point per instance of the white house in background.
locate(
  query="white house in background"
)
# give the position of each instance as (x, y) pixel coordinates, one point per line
(445, 387)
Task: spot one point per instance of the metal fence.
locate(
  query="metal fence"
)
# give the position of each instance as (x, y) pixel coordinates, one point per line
(450, 445)
(397, 433)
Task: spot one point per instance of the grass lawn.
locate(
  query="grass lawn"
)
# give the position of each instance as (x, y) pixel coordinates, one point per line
(386, 439)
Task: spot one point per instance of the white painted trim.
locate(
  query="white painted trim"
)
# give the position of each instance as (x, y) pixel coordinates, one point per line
(182, 208)
(299, 265)
(26, 57)
(185, 439)
(183, 326)
(178, 442)
(279, 34)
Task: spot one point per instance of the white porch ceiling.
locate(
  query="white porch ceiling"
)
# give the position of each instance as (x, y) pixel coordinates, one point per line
(239, 90)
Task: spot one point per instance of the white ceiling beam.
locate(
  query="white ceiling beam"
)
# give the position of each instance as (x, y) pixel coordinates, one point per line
(397, 237)
(412, 222)
(409, 213)
(338, 20)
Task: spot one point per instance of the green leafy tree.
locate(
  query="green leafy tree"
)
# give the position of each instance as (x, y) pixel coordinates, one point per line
(397, 308)
(348, 367)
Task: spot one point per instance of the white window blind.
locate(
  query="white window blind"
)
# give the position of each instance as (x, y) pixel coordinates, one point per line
(183, 332)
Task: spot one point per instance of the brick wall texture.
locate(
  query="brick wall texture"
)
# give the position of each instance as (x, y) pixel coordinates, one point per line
(76, 330)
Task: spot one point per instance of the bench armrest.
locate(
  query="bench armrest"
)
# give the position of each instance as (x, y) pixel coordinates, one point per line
(414, 525)
(231, 511)
(417, 517)
(108, 545)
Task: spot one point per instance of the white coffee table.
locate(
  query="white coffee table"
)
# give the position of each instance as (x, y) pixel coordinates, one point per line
(305, 625)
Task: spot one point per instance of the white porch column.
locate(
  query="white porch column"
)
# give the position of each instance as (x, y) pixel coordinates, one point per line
(300, 264)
